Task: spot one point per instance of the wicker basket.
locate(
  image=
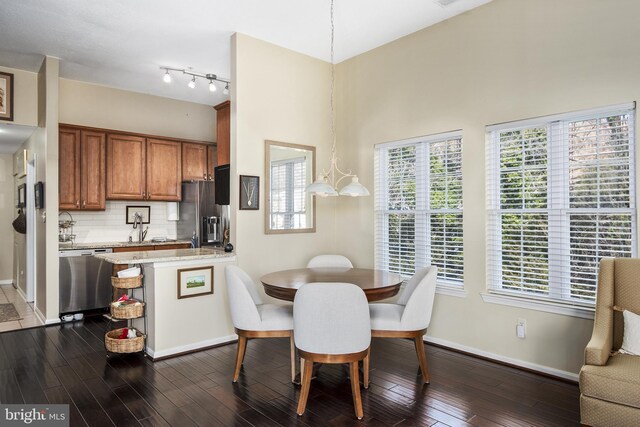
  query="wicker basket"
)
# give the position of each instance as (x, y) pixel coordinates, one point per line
(125, 345)
(129, 311)
(126, 282)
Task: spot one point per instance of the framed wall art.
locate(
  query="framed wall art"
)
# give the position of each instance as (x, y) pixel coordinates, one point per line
(6, 96)
(145, 211)
(249, 192)
(193, 282)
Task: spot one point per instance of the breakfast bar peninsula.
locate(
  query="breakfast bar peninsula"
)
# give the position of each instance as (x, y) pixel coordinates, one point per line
(186, 302)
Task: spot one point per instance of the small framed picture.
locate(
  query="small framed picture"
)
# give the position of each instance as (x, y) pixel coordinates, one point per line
(22, 196)
(6, 96)
(249, 192)
(194, 282)
(144, 211)
(38, 193)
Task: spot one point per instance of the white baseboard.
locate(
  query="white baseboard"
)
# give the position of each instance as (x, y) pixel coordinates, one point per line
(6, 282)
(43, 319)
(516, 362)
(191, 347)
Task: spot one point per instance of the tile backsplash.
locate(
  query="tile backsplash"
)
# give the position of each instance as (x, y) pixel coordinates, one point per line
(110, 225)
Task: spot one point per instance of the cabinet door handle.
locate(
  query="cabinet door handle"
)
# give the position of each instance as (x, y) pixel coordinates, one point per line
(84, 203)
(77, 203)
(204, 176)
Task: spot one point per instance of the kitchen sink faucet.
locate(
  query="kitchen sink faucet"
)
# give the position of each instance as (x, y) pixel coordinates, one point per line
(137, 222)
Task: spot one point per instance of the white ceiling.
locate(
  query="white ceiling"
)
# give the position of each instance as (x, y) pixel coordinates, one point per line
(11, 136)
(122, 43)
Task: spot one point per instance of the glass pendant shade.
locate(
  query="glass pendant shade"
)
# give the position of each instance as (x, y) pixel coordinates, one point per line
(321, 188)
(354, 189)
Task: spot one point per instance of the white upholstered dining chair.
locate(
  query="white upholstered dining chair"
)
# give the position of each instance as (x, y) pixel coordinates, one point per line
(252, 318)
(329, 261)
(331, 325)
(410, 316)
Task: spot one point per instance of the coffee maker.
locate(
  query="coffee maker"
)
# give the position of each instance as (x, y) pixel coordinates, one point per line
(210, 230)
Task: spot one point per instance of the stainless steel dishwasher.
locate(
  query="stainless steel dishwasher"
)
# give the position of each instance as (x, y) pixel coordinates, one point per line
(85, 281)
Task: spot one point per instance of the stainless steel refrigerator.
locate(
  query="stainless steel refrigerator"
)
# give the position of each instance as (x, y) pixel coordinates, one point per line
(200, 215)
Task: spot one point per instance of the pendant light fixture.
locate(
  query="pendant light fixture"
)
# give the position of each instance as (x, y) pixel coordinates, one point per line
(327, 182)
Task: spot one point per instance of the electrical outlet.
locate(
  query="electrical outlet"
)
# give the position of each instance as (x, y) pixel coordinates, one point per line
(521, 328)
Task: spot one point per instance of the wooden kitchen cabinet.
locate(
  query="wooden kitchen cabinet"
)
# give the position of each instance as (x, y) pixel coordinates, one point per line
(69, 168)
(223, 132)
(164, 170)
(195, 162)
(81, 172)
(126, 167)
(212, 160)
(92, 170)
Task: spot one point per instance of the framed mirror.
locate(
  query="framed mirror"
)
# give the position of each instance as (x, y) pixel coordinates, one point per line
(289, 169)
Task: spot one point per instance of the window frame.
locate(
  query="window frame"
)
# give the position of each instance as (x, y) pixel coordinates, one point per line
(558, 209)
(422, 239)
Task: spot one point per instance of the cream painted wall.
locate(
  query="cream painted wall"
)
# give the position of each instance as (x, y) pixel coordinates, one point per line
(283, 96)
(105, 107)
(504, 61)
(175, 325)
(25, 93)
(43, 144)
(7, 215)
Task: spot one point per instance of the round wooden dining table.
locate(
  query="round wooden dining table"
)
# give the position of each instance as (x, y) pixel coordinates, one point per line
(376, 284)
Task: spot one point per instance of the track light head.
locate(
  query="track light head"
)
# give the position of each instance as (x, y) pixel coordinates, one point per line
(226, 89)
(212, 86)
(192, 83)
(167, 77)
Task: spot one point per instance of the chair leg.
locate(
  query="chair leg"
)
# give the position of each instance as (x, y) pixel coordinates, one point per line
(305, 383)
(355, 389)
(242, 346)
(365, 370)
(422, 359)
(293, 360)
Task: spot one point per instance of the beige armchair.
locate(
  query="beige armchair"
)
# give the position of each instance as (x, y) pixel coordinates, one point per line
(610, 384)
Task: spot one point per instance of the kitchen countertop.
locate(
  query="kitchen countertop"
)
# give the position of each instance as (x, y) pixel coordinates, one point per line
(101, 245)
(166, 255)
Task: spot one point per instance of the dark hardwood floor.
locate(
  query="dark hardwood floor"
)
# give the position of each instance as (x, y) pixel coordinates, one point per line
(68, 364)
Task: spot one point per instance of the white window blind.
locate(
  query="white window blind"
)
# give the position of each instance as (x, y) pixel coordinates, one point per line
(561, 195)
(418, 204)
(288, 200)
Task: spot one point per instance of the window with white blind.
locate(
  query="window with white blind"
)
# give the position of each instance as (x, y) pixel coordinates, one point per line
(561, 196)
(418, 206)
(288, 208)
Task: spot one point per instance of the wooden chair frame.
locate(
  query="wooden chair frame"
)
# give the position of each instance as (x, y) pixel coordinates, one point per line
(244, 336)
(416, 336)
(306, 366)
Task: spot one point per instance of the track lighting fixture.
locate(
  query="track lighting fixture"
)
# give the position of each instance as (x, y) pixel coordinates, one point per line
(192, 83)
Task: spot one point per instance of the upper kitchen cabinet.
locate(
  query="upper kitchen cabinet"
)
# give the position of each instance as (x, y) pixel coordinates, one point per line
(194, 162)
(164, 170)
(212, 160)
(81, 169)
(69, 168)
(126, 167)
(223, 132)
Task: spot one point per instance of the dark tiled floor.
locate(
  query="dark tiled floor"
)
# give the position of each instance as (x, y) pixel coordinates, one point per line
(68, 364)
